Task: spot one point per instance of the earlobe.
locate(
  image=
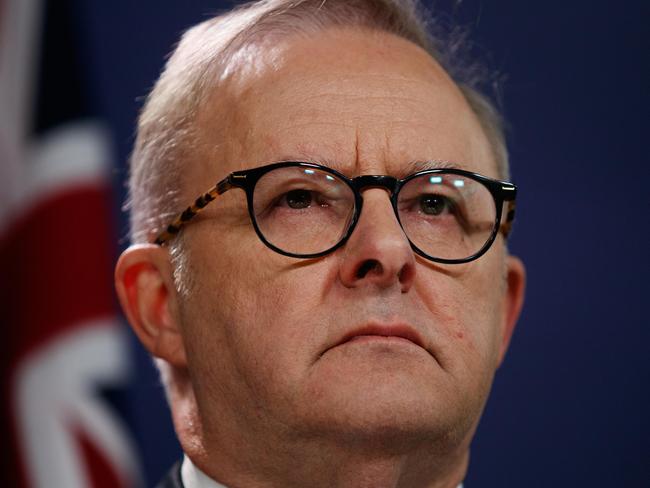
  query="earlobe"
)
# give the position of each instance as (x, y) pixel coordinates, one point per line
(143, 280)
(513, 300)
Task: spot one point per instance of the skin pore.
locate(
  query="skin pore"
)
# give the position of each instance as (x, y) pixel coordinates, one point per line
(264, 389)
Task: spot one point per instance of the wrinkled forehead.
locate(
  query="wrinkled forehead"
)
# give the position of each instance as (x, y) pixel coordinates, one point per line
(359, 101)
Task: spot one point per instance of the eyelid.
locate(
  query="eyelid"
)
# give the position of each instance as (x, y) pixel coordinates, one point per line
(421, 185)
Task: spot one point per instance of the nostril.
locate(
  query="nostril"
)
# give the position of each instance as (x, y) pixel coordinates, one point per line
(367, 266)
(406, 275)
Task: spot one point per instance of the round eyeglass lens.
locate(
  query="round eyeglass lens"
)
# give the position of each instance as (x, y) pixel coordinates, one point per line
(302, 210)
(445, 215)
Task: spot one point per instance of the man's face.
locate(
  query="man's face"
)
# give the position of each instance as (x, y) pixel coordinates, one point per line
(279, 346)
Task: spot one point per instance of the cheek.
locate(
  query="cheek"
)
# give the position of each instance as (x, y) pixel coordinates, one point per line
(243, 325)
(467, 307)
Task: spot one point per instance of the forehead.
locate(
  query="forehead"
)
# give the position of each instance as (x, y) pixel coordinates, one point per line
(359, 101)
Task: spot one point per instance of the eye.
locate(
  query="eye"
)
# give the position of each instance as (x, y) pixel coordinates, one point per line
(298, 198)
(434, 204)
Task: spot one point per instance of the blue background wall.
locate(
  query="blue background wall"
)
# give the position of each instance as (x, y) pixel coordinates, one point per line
(570, 407)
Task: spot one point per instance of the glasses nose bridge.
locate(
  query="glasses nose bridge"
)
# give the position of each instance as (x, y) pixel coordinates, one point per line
(363, 182)
(375, 181)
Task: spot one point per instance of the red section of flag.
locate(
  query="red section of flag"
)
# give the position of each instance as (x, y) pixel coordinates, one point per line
(56, 267)
(100, 470)
(56, 272)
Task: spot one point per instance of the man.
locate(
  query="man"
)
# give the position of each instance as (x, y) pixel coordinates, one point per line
(332, 312)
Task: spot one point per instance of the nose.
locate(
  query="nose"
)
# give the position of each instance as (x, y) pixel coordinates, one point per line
(378, 252)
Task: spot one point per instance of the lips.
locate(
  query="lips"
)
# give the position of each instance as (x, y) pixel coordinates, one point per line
(398, 331)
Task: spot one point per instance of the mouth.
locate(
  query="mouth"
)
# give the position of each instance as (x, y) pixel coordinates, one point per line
(386, 333)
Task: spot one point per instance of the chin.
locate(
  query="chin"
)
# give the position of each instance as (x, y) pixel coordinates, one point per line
(390, 403)
(393, 426)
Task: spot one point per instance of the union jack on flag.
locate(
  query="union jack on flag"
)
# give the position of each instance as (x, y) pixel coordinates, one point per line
(65, 348)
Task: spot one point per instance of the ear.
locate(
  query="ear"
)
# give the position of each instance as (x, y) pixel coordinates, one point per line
(513, 299)
(145, 288)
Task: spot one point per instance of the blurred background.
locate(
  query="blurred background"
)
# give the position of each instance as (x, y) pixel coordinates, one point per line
(82, 405)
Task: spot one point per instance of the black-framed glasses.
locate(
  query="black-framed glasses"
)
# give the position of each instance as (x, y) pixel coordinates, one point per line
(306, 210)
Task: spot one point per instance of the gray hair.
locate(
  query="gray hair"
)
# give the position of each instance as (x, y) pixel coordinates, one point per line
(166, 124)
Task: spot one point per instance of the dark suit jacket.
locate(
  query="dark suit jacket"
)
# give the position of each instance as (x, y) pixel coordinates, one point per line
(173, 478)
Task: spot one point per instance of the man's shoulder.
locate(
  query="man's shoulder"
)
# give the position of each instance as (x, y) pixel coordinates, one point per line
(173, 478)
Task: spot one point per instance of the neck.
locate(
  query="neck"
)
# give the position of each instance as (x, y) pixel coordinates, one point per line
(234, 458)
(299, 463)
(363, 470)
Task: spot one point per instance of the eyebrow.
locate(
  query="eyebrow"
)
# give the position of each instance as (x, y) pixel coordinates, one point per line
(426, 164)
(411, 167)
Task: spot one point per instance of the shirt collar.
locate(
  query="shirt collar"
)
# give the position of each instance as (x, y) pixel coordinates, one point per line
(193, 477)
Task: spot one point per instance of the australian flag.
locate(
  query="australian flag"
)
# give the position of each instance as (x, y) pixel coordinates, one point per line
(64, 348)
